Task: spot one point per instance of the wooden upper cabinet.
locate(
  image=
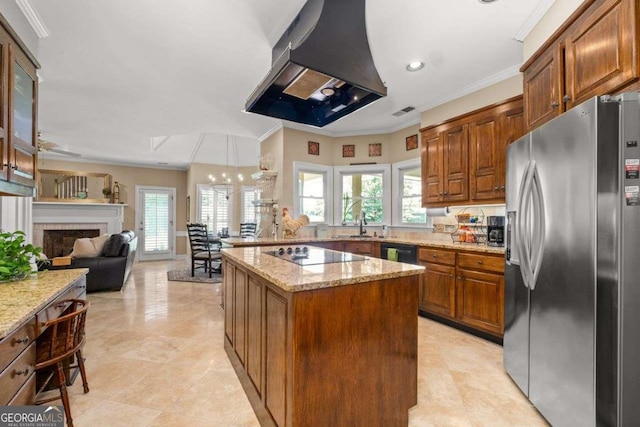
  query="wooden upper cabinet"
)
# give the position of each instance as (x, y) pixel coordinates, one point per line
(18, 115)
(599, 51)
(432, 166)
(543, 89)
(4, 140)
(463, 160)
(592, 53)
(484, 137)
(456, 164)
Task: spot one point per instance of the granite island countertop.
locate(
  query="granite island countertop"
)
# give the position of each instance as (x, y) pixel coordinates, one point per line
(426, 242)
(23, 299)
(292, 277)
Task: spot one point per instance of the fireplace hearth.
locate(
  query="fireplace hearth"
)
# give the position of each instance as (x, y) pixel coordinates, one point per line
(60, 242)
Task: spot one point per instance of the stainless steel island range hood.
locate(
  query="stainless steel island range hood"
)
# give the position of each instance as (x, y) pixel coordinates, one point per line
(322, 67)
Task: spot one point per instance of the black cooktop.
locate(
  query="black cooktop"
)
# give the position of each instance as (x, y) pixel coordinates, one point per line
(303, 255)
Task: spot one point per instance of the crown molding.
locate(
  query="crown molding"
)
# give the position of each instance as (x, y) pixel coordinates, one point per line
(480, 84)
(271, 131)
(33, 17)
(533, 19)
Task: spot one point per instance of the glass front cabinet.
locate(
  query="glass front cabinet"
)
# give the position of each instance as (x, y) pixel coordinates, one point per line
(18, 118)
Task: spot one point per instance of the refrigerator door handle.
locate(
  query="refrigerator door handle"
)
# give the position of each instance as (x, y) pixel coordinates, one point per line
(523, 237)
(539, 226)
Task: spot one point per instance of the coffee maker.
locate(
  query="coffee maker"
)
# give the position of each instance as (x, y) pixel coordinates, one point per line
(495, 230)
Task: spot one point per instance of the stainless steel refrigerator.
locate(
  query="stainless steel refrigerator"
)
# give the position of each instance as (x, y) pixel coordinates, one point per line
(572, 276)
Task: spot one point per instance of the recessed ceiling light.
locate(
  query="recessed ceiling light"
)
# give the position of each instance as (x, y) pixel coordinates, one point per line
(415, 66)
(486, 1)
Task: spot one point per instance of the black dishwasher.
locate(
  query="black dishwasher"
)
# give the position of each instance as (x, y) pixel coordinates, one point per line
(406, 253)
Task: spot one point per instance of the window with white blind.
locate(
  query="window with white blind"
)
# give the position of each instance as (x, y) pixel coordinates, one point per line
(407, 194)
(248, 208)
(214, 207)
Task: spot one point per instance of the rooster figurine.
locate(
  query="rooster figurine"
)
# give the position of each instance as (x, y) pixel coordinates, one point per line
(290, 225)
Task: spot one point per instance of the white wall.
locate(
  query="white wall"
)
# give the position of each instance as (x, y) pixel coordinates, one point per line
(550, 22)
(16, 214)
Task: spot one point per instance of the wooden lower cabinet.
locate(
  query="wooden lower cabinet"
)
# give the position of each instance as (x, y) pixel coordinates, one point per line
(439, 289)
(481, 300)
(360, 248)
(465, 288)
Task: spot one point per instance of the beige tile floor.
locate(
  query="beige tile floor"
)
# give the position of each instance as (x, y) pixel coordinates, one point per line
(154, 357)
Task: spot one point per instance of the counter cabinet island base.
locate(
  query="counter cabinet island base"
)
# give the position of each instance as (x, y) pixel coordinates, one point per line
(340, 356)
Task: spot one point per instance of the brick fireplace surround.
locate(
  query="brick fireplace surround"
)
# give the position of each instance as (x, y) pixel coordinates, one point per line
(105, 217)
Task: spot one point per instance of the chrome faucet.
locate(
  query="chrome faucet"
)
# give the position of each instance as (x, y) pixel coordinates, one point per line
(363, 221)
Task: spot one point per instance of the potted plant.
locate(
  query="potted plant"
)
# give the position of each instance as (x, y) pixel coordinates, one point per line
(106, 191)
(16, 256)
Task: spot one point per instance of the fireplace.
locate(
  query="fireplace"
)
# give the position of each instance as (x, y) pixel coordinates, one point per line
(60, 242)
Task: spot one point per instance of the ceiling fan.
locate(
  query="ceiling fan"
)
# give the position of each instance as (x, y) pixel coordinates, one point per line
(52, 147)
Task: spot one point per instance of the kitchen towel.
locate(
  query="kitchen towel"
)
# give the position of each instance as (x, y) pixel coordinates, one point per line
(392, 254)
(431, 212)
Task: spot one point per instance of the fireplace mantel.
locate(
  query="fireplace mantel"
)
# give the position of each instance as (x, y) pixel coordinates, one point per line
(107, 217)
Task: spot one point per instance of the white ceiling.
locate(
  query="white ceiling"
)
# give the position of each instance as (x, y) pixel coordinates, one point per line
(165, 81)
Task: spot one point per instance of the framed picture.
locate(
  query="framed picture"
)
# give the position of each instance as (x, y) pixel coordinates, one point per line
(412, 142)
(348, 151)
(314, 148)
(375, 150)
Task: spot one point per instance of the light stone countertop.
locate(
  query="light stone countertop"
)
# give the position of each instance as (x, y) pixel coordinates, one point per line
(292, 277)
(23, 299)
(426, 242)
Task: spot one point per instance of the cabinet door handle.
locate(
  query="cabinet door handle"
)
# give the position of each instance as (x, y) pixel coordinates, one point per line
(21, 341)
(451, 275)
(502, 187)
(445, 193)
(459, 277)
(566, 98)
(435, 256)
(441, 193)
(554, 104)
(14, 167)
(24, 372)
(495, 188)
(480, 262)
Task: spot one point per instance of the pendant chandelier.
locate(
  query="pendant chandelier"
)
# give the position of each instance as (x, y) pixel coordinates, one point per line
(225, 185)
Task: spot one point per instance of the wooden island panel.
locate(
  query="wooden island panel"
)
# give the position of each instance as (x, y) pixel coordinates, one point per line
(319, 350)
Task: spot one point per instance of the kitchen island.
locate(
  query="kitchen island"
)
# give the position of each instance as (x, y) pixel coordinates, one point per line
(322, 344)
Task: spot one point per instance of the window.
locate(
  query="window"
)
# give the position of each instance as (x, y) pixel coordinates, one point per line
(214, 208)
(363, 188)
(313, 189)
(248, 208)
(407, 191)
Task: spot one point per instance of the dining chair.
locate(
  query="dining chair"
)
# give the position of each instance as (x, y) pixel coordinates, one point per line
(203, 250)
(62, 340)
(247, 229)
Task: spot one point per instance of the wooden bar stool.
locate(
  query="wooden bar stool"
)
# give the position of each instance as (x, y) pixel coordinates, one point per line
(62, 339)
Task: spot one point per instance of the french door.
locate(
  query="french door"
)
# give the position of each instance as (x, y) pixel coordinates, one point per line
(155, 213)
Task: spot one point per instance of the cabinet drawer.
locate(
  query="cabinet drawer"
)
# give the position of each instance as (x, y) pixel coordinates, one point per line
(437, 256)
(481, 262)
(27, 394)
(12, 345)
(358, 248)
(16, 374)
(57, 307)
